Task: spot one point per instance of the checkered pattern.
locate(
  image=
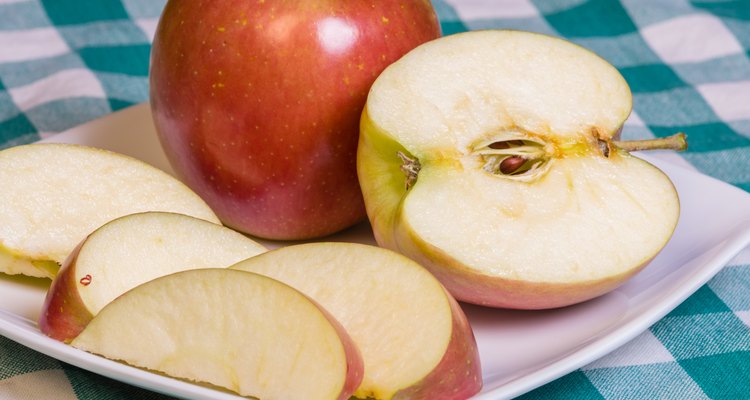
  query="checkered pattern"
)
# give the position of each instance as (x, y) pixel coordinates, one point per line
(63, 63)
(687, 61)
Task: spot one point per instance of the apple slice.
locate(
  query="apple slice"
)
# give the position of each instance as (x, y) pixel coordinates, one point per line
(414, 338)
(53, 195)
(237, 330)
(490, 157)
(127, 252)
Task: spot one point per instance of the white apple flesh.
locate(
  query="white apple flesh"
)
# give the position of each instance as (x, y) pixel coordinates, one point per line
(414, 338)
(127, 252)
(53, 195)
(490, 158)
(237, 330)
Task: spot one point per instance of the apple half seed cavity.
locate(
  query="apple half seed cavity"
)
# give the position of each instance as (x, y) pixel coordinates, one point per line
(518, 192)
(526, 159)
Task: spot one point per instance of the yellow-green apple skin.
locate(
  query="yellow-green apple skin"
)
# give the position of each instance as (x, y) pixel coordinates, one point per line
(576, 225)
(257, 103)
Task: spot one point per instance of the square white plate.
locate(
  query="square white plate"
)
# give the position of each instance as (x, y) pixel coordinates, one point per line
(516, 352)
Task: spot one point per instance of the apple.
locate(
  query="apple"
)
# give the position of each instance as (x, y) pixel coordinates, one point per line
(257, 103)
(414, 338)
(53, 195)
(490, 157)
(127, 252)
(237, 330)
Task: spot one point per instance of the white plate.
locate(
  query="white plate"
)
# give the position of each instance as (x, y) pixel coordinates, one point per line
(516, 351)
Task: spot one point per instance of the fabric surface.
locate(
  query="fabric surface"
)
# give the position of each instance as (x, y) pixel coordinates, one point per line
(66, 62)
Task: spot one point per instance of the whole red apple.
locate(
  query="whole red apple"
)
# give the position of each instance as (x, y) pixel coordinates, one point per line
(257, 103)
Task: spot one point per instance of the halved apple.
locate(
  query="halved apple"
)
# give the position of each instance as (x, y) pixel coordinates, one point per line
(414, 338)
(237, 330)
(127, 252)
(53, 195)
(490, 157)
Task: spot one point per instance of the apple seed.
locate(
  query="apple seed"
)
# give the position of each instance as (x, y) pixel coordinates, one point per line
(499, 145)
(511, 164)
(514, 156)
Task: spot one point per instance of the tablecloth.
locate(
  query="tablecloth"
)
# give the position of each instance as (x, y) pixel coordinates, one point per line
(65, 62)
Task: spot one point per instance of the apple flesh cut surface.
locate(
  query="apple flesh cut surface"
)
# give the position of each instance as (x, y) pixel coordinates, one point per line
(414, 338)
(53, 195)
(236, 330)
(490, 158)
(257, 103)
(127, 252)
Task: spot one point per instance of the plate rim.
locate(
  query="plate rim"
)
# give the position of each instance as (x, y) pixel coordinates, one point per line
(611, 339)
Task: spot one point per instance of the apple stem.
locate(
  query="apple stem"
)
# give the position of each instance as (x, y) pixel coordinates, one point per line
(410, 167)
(676, 142)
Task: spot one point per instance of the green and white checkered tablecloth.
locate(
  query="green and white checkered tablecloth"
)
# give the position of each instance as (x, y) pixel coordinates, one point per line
(65, 62)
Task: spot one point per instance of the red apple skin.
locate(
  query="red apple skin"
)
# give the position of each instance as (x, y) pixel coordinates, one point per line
(355, 366)
(64, 315)
(458, 375)
(472, 286)
(257, 103)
